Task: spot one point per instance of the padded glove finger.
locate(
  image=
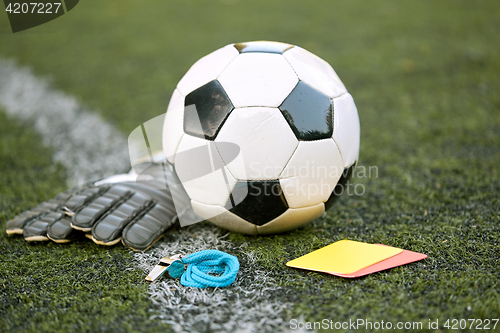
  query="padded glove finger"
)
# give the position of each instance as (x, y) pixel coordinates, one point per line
(60, 231)
(58, 228)
(149, 226)
(36, 230)
(136, 213)
(144, 231)
(142, 213)
(49, 226)
(108, 230)
(109, 198)
(33, 224)
(16, 225)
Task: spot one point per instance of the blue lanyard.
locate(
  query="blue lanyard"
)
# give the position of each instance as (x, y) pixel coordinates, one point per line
(209, 268)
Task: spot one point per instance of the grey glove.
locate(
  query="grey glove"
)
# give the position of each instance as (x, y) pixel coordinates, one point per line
(137, 213)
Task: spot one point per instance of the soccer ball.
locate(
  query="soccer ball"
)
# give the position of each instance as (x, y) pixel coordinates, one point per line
(262, 135)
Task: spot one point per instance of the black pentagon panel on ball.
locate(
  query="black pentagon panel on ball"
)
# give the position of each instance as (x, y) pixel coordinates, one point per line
(341, 186)
(257, 201)
(309, 113)
(205, 110)
(263, 47)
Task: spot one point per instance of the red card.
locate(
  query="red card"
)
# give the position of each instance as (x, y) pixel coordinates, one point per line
(403, 258)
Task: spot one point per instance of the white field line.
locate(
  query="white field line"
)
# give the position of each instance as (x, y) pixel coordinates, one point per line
(91, 149)
(250, 304)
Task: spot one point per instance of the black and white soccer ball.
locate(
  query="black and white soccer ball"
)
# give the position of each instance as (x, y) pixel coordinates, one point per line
(275, 128)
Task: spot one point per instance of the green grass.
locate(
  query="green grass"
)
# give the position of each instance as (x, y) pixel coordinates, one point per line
(425, 77)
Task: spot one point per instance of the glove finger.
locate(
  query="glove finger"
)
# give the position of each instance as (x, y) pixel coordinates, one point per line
(108, 230)
(147, 228)
(60, 231)
(109, 198)
(143, 232)
(36, 230)
(16, 225)
(80, 199)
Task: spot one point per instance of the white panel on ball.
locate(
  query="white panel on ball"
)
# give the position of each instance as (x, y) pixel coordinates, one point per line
(315, 72)
(312, 173)
(173, 125)
(223, 218)
(200, 170)
(207, 69)
(258, 79)
(346, 129)
(265, 139)
(292, 219)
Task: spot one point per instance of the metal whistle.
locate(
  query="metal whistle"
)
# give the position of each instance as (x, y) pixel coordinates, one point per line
(161, 267)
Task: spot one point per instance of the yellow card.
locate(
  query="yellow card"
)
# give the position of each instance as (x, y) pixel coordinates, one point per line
(344, 257)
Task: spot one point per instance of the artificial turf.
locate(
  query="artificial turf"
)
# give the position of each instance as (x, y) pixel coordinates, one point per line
(425, 78)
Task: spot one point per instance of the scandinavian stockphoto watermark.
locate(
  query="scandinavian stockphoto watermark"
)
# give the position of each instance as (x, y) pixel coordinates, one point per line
(312, 180)
(368, 324)
(356, 324)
